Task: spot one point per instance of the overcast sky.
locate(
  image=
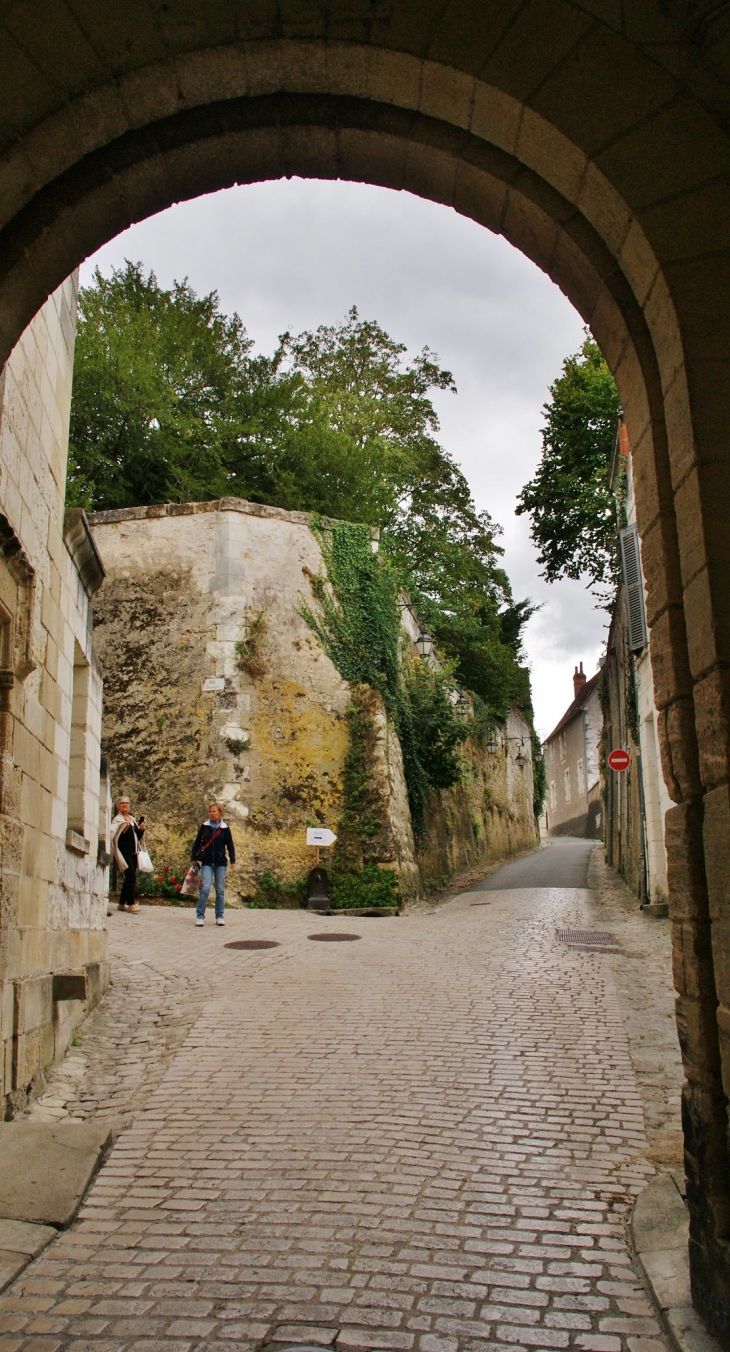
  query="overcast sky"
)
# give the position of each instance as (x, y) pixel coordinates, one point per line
(295, 254)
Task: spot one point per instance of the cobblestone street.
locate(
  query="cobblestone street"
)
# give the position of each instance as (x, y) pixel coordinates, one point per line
(430, 1138)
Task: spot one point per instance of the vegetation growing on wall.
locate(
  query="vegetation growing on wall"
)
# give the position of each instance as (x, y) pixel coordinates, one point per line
(250, 649)
(358, 624)
(539, 775)
(439, 730)
(356, 880)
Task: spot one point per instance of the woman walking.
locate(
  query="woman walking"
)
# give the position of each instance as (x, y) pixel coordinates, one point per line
(209, 848)
(126, 836)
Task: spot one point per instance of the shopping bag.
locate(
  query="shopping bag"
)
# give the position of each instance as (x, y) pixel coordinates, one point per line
(191, 884)
(144, 863)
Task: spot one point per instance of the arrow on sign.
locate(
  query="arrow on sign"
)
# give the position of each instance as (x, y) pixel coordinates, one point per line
(318, 835)
(619, 760)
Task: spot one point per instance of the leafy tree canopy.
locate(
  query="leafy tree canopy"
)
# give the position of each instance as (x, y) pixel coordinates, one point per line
(171, 405)
(569, 501)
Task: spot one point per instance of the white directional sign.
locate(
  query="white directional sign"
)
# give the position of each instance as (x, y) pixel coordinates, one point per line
(319, 835)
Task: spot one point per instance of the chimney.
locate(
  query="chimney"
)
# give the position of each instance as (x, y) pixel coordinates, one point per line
(579, 680)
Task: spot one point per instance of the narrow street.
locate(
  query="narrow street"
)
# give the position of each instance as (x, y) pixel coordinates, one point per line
(427, 1137)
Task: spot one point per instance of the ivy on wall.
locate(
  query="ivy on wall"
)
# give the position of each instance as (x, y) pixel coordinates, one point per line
(358, 625)
(356, 879)
(539, 775)
(439, 731)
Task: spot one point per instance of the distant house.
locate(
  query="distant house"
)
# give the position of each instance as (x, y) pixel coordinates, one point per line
(574, 806)
(636, 800)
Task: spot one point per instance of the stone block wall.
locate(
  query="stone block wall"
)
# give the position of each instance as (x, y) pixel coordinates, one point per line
(52, 890)
(215, 686)
(490, 813)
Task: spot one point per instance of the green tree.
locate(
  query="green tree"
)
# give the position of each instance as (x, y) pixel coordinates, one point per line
(170, 404)
(164, 388)
(569, 501)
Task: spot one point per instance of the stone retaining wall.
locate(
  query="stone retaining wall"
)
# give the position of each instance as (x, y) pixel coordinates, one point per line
(189, 716)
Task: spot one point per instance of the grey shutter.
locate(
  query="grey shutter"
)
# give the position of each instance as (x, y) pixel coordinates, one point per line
(634, 588)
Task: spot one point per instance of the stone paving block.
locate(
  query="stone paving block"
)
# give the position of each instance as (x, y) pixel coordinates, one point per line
(45, 1169)
(429, 1145)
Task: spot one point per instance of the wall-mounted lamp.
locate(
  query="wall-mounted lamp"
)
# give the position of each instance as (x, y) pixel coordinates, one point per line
(424, 644)
(491, 745)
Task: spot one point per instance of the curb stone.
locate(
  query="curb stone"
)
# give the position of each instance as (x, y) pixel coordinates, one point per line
(20, 1242)
(660, 1231)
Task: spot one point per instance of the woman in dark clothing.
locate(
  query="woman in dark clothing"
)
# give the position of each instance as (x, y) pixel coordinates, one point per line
(209, 848)
(126, 836)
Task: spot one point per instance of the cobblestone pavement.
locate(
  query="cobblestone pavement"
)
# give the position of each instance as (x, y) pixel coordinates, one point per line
(125, 1046)
(643, 977)
(429, 1139)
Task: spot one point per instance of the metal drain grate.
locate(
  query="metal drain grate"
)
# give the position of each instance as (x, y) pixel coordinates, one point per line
(334, 938)
(571, 936)
(253, 943)
(589, 941)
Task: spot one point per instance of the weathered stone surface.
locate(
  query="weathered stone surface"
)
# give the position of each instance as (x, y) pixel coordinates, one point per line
(595, 139)
(189, 715)
(376, 1138)
(52, 792)
(487, 816)
(45, 1170)
(24, 1238)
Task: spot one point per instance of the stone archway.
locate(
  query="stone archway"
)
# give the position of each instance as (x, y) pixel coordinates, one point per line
(598, 153)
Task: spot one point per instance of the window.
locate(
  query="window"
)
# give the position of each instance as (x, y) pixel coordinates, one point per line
(633, 588)
(580, 776)
(561, 743)
(553, 796)
(77, 760)
(566, 784)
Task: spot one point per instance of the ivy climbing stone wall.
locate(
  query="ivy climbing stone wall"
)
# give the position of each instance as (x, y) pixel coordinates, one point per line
(216, 686)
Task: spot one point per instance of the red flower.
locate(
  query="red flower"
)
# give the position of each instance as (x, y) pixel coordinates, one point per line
(159, 877)
(173, 879)
(179, 887)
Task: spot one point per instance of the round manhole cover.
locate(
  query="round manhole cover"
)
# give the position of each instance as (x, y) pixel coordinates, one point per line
(253, 943)
(334, 938)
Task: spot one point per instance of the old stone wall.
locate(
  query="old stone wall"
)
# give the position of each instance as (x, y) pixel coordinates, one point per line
(53, 887)
(189, 718)
(215, 686)
(490, 813)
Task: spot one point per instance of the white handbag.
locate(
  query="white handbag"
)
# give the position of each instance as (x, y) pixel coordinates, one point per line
(144, 863)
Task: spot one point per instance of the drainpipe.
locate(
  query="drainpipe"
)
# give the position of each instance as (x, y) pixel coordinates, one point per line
(644, 896)
(585, 762)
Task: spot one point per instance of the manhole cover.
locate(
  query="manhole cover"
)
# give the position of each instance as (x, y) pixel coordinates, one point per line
(253, 943)
(589, 941)
(334, 938)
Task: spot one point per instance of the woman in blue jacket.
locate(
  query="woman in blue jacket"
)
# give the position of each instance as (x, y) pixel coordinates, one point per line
(209, 849)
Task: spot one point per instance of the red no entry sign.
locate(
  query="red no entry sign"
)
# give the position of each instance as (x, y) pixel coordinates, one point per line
(619, 760)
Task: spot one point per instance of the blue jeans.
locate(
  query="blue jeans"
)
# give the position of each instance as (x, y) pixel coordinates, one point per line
(206, 879)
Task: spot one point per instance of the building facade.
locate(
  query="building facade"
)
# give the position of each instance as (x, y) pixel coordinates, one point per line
(637, 799)
(53, 787)
(571, 753)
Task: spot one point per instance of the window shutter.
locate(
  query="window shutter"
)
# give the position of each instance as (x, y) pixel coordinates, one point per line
(633, 586)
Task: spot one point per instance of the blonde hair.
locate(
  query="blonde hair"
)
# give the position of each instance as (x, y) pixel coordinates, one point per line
(215, 803)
